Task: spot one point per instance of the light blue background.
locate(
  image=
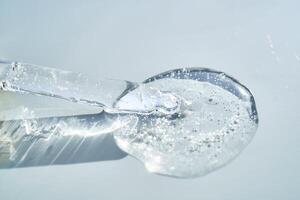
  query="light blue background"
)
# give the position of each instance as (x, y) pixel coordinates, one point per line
(256, 41)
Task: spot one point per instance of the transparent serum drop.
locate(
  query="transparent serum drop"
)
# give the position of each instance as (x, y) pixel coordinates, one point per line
(182, 123)
(215, 120)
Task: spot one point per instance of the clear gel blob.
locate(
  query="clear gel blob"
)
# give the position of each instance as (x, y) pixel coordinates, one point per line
(215, 119)
(182, 123)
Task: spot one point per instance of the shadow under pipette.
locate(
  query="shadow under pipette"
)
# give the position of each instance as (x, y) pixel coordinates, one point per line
(59, 140)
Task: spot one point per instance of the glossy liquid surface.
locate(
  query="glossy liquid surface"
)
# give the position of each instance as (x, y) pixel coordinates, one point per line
(216, 120)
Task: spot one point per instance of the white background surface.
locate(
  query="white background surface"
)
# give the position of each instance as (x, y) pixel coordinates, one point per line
(258, 42)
